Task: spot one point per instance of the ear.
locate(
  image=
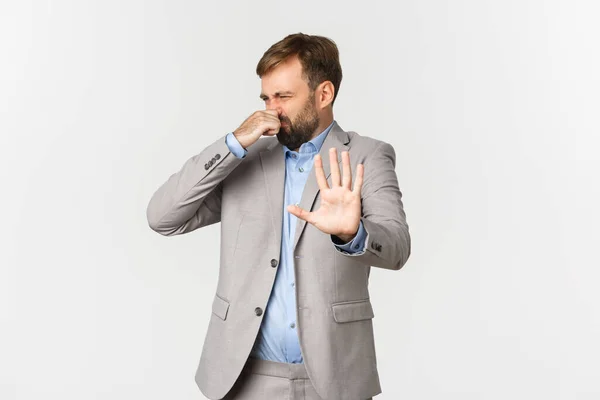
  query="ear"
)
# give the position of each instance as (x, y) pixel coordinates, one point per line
(324, 94)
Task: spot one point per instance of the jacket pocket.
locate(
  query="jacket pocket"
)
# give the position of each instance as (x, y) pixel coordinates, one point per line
(356, 310)
(220, 307)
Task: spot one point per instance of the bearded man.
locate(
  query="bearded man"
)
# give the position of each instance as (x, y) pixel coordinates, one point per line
(291, 314)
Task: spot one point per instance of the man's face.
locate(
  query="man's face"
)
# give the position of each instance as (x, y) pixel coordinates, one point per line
(284, 90)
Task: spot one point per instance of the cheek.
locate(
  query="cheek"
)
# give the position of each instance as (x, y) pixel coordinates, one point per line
(294, 112)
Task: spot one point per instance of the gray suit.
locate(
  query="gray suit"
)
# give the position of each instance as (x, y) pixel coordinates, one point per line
(334, 312)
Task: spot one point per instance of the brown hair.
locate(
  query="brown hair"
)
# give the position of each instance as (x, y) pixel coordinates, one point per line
(318, 55)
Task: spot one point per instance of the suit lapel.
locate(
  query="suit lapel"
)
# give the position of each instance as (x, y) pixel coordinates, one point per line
(273, 165)
(337, 138)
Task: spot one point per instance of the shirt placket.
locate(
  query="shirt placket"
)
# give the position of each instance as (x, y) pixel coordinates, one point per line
(290, 312)
(298, 175)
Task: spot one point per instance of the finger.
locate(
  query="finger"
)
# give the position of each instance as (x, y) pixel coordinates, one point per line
(335, 169)
(272, 127)
(272, 112)
(360, 172)
(300, 213)
(347, 172)
(320, 173)
(270, 119)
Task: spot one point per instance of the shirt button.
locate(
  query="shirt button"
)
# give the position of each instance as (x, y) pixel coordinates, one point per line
(274, 263)
(258, 311)
(292, 325)
(301, 169)
(356, 247)
(294, 156)
(293, 284)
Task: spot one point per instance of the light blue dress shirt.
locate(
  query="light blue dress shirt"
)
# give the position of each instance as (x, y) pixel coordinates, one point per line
(278, 339)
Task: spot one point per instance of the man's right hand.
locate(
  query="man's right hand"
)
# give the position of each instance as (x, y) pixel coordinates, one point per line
(262, 122)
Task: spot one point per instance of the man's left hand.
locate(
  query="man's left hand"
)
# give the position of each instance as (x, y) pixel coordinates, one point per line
(340, 209)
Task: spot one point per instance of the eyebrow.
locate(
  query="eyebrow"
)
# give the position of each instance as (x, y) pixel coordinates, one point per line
(277, 94)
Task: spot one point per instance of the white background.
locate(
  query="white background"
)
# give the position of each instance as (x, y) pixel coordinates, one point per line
(492, 107)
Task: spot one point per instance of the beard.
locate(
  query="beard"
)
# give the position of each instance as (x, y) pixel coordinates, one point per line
(293, 135)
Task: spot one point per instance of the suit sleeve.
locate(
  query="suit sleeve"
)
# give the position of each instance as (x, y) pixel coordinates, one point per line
(191, 198)
(356, 245)
(387, 243)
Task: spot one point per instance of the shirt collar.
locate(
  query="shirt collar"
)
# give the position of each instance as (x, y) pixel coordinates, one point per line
(314, 145)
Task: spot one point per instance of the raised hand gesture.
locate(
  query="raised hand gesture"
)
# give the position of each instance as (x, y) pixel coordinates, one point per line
(340, 209)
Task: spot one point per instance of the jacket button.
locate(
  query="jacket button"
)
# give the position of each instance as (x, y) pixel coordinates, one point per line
(274, 263)
(206, 166)
(217, 156)
(258, 311)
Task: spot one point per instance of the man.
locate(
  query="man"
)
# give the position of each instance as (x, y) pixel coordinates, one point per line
(291, 316)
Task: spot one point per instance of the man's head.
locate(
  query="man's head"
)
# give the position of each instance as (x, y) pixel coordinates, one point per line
(300, 78)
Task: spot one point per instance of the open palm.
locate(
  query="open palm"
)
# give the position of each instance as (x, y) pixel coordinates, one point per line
(340, 210)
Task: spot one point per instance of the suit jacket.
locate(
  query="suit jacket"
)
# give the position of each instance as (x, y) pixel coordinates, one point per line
(334, 312)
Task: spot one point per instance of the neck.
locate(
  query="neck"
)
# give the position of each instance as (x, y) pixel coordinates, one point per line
(324, 122)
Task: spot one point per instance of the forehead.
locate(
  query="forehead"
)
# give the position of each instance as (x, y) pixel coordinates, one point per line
(285, 76)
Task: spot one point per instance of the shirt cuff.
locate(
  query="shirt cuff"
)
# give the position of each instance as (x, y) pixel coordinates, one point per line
(234, 146)
(356, 245)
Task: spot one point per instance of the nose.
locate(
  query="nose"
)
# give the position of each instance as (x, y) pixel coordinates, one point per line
(276, 108)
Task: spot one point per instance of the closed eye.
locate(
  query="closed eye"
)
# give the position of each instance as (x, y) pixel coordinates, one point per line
(278, 95)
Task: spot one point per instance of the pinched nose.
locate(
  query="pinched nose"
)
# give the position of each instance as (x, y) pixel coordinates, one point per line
(278, 109)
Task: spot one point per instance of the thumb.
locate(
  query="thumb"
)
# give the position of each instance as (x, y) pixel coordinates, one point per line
(297, 211)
